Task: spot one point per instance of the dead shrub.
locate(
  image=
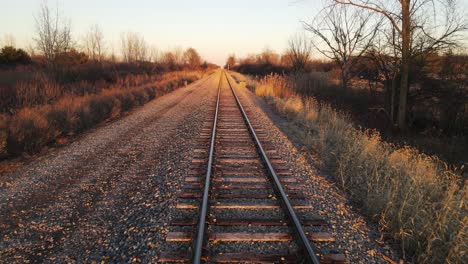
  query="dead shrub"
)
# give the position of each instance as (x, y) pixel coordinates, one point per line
(28, 131)
(140, 96)
(40, 90)
(32, 128)
(4, 122)
(100, 107)
(84, 117)
(127, 101)
(62, 116)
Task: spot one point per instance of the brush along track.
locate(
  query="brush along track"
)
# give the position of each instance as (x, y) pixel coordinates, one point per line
(240, 202)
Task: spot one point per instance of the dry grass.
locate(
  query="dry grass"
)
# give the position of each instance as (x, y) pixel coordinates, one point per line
(273, 85)
(4, 120)
(39, 91)
(31, 128)
(38, 88)
(416, 199)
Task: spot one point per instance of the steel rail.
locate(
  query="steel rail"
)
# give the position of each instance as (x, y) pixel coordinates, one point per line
(197, 253)
(310, 256)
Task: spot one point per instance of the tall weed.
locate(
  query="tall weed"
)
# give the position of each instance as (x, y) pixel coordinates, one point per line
(416, 199)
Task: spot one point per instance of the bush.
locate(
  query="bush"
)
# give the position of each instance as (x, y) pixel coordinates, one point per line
(39, 91)
(62, 116)
(32, 128)
(4, 123)
(11, 56)
(28, 131)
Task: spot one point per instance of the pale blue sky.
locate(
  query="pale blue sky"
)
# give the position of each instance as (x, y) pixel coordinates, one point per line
(214, 28)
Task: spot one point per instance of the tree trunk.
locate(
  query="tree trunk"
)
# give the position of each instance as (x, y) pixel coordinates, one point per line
(392, 100)
(344, 78)
(404, 83)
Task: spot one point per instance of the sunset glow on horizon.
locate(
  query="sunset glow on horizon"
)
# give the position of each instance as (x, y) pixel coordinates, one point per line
(215, 28)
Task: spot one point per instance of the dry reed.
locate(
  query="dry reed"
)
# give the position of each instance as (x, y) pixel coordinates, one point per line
(416, 199)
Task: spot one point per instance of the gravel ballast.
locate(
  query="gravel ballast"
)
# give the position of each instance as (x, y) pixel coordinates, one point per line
(355, 236)
(107, 196)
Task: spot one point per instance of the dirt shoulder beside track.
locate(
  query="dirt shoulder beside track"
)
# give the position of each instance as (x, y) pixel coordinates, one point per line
(106, 195)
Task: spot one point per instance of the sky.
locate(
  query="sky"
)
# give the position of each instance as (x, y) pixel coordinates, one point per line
(214, 28)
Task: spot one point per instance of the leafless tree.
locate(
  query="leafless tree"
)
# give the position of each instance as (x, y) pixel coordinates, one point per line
(134, 47)
(178, 54)
(298, 53)
(154, 54)
(169, 60)
(231, 61)
(249, 59)
(342, 34)
(387, 58)
(192, 58)
(422, 25)
(94, 43)
(268, 57)
(31, 50)
(53, 33)
(8, 40)
(112, 57)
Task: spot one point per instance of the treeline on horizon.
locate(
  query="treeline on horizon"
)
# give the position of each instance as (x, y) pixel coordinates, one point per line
(437, 76)
(78, 73)
(80, 65)
(65, 84)
(408, 82)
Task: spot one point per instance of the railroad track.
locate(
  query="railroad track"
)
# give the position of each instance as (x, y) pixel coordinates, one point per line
(240, 202)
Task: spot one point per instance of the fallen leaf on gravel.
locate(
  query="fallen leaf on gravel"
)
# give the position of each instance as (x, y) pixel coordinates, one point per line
(389, 260)
(152, 245)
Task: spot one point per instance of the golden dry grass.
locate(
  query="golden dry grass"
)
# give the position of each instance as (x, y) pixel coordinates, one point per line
(416, 199)
(273, 86)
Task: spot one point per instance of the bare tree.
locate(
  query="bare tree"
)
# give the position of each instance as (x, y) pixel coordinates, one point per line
(134, 47)
(192, 58)
(342, 34)
(154, 54)
(268, 57)
(249, 59)
(231, 61)
(94, 43)
(53, 33)
(169, 60)
(298, 53)
(178, 53)
(386, 57)
(422, 25)
(30, 49)
(8, 40)
(112, 57)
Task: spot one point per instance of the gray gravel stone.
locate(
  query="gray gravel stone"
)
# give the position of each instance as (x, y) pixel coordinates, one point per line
(355, 236)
